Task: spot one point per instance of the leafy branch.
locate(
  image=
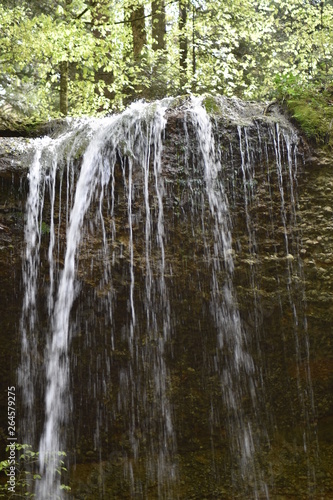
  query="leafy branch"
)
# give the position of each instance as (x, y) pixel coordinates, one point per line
(26, 472)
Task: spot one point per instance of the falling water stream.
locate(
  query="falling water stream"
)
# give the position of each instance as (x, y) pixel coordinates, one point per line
(139, 301)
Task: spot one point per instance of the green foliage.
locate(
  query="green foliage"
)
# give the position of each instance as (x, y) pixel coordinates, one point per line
(45, 228)
(26, 473)
(310, 105)
(211, 105)
(234, 47)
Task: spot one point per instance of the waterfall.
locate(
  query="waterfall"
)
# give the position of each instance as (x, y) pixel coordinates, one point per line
(144, 305)
(230, 334)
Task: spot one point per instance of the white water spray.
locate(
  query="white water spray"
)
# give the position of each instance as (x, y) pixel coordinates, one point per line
(121, 193)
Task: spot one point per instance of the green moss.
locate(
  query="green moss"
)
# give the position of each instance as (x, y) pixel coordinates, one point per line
(310, 105)
(45, 228)
(313, 112)
(179, 101)
(211, 105)
(18, 125)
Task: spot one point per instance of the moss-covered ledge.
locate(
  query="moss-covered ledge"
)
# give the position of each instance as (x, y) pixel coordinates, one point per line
(310, 109)
(13, 156)
(16, 143)
(28, 128)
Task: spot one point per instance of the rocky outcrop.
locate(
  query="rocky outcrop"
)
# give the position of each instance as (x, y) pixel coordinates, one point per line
(282, 247)
(229, 114)
(14, 154)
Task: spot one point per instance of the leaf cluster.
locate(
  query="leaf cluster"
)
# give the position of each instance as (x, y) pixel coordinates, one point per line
(244, 48)
(310, 105)
(26, 473)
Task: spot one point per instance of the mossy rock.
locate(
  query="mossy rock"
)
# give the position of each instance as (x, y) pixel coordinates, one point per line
(211, 105)
(312, 111)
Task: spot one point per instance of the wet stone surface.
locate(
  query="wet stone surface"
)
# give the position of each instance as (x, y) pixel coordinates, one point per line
(282, 250)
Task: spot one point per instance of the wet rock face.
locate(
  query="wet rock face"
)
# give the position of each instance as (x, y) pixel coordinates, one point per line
(316, 223)
(281, 249)
(14, 157)
(11, 247)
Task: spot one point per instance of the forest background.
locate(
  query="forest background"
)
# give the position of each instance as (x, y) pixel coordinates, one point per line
(76, 57)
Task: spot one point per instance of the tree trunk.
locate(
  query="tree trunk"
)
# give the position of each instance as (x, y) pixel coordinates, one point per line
(183, 42)
(99, 16)
(137, 20)
(158, 24)
(64, 88)
(64, 77)
(194, 64)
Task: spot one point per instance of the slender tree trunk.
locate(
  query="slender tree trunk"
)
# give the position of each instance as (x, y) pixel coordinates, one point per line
(64, 88)
(194, 63)
(136, 16)
(137, 20)
(183, 42)
(158, 24)
(99, 16)
(64, 77)
(321, 14)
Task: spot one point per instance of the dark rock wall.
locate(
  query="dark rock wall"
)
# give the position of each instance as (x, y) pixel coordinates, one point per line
(284, 298)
